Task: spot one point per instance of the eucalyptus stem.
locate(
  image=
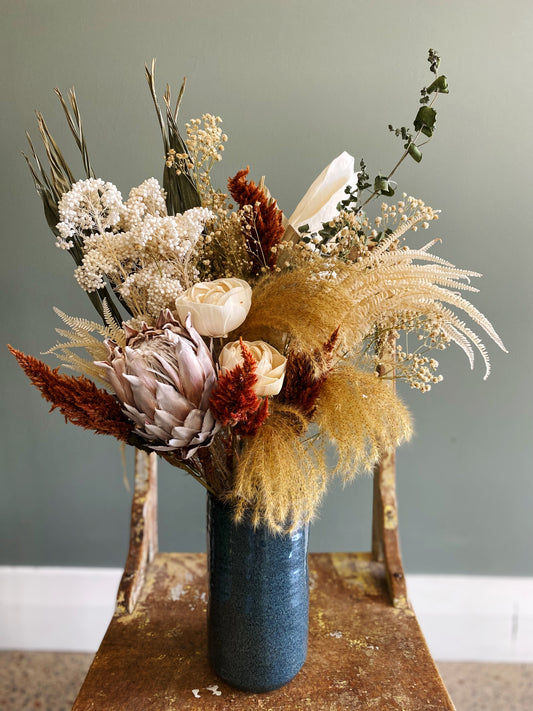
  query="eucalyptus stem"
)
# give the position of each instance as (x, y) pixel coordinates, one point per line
(403, 157)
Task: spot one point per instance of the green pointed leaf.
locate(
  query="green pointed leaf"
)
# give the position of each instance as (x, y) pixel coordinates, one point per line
(414, 152)
(382, 186)
(440, 85)
(425, 120)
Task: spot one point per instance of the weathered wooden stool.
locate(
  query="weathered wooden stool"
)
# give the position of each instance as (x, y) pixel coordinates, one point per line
(366, 650)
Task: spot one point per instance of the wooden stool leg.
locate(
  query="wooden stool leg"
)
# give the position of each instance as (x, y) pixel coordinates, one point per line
(143, 534)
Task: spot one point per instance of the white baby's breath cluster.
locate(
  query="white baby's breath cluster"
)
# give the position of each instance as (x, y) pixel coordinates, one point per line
(352, 235)
(413, 366)
(148, 256)
(91, 206)
(421, 373)
(408, 214)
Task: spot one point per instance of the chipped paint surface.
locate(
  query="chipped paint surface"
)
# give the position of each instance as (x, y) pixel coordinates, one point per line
(364, 654)
(391, 517)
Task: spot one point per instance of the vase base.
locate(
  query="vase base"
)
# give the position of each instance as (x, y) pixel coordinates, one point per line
(253, 684)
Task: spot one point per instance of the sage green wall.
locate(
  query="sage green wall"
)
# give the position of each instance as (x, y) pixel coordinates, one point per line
(296, 82)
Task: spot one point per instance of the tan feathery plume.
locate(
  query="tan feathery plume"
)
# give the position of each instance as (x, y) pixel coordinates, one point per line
(361, 416)
(279, 478)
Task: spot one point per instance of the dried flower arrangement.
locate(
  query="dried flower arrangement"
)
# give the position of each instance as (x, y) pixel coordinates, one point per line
(237, 343)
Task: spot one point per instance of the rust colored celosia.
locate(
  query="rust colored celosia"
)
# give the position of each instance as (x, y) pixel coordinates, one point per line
(267, 229)
(305, 374)
(249, 425)
(234, 402)
(78, 398)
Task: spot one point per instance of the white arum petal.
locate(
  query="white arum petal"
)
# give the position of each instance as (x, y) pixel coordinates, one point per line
(319, 204)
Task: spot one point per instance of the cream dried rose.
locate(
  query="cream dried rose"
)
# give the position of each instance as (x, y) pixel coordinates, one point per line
(319, 204)
(270, 365)
(216, 307)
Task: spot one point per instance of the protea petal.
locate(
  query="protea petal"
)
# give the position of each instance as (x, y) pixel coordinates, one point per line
(171, 373)
(138, 417)
(165, 420)
(173, 402)
(143, 399)
(191, 373)
(194, 420)
(164, 377)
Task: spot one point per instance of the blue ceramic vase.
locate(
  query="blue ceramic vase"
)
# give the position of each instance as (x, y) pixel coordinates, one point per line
(258, 608)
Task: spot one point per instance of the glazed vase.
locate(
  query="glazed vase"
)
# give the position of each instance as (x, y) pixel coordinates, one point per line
(258, 603)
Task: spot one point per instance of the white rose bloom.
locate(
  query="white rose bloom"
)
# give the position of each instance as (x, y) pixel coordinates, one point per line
(270, 365)
(216, 307)
(319, 204)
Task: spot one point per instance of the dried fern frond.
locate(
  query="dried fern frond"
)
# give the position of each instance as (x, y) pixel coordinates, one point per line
(278, 478)
(87, 368)
(361, 416)
(80, 336)
(304, 308)
(427, 288)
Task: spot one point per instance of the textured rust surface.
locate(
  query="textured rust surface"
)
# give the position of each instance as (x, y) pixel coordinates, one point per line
(363, 652)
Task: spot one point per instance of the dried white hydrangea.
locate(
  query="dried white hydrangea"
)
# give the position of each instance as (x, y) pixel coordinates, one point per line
(90, 206)
(147, 199)
(148, 256)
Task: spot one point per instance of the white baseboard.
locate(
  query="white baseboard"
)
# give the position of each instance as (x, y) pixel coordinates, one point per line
(56, 609)
(475, 618)
(464, 618)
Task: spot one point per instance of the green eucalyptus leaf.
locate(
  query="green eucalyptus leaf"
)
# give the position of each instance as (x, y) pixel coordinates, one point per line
(440, 85)
(425, 120)
(415, 152)
(382, 186)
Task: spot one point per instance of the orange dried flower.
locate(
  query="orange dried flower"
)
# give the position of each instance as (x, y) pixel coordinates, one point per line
(77, 398)
(234, 402)
(268, 224)
(253, 421)
(305, 374)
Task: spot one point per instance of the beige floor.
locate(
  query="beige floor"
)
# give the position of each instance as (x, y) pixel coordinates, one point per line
(49, 681)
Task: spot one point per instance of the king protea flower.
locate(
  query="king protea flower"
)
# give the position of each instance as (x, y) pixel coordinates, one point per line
(163, 378)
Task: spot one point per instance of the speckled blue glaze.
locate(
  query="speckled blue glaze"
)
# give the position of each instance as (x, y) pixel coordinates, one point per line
(258, 609)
